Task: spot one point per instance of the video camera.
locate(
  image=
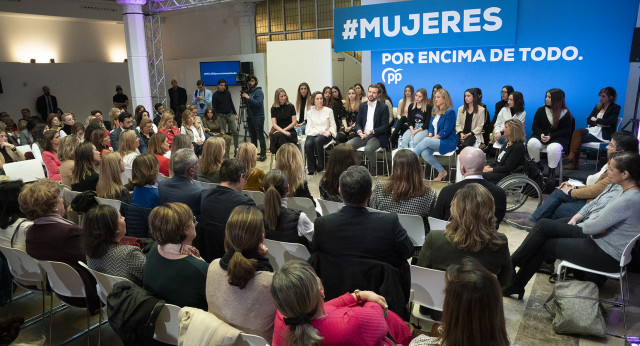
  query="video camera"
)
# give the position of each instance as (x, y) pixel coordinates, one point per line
(242, 79)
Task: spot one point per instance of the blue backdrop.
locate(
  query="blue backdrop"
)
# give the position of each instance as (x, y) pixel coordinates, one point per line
(591, 41)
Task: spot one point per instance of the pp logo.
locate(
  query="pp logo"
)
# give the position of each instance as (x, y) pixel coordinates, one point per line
(390, 75)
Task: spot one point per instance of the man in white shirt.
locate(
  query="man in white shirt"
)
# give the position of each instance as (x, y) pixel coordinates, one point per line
(202, 98)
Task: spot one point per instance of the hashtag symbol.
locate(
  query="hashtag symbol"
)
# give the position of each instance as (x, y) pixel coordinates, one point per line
(350, 29)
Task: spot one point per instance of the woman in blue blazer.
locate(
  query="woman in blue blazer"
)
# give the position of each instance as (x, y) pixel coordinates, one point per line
(442, 132)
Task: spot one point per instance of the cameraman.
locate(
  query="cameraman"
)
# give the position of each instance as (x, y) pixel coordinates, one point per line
(201, 98)
(254, 98)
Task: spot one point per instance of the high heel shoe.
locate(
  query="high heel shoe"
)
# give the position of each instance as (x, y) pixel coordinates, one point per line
(511, 290)
(441, 176)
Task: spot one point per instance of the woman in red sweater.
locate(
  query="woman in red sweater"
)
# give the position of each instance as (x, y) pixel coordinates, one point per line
(303, 318)
(50, 154)
(167, 127)
(159, 146)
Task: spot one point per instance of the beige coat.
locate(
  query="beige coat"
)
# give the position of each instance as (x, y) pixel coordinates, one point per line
(198, 327)
(476, 123)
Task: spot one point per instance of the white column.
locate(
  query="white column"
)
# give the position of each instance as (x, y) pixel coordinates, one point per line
(136, 53)
(246, 17)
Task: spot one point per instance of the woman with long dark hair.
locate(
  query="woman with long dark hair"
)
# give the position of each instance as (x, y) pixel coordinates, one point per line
(321, 127)
(214, 126)
(470, 120)
(50, 154)
(403, 110)
(342, 157)
(85, 173)
(303, 104)
(514, 109)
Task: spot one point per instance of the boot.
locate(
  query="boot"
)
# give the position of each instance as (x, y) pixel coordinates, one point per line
(574, 151)
(551, 181)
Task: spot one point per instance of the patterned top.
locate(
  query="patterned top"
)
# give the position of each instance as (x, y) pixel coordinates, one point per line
(126, 261)
(421, 205)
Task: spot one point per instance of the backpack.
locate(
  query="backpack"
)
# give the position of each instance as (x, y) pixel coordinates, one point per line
(133, 313)
(532, 171)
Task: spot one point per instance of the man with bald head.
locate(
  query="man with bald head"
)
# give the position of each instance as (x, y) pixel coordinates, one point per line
(472, 161)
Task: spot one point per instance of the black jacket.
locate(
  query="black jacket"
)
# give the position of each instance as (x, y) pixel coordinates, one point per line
(133, 313)
(512, 158)
(610, 120)
(561, 134)
(442, 210)
(380, 121)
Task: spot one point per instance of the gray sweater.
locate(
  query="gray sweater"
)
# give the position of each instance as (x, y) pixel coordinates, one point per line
(612, 219)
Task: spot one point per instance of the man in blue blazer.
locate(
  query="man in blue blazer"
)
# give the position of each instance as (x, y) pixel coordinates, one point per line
(126, 123)
(372, 125)
(181, 188)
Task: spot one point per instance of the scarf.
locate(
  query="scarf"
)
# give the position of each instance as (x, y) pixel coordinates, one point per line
(263, 263)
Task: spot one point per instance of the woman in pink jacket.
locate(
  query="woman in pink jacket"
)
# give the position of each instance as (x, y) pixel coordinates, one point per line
(50, 154)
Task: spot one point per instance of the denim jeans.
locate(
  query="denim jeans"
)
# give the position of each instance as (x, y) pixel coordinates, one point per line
(406, 138)
(426, 148)
(256, 125)
(557, 206)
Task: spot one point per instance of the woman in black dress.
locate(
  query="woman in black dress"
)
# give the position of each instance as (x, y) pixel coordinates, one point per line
(283, 118)
(348, 122)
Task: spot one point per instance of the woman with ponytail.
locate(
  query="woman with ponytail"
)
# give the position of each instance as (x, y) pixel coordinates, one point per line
(304, 318)
(238, 283)
(280, 222)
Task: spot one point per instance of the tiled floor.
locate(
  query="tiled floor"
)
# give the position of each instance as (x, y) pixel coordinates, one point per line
(528, 323)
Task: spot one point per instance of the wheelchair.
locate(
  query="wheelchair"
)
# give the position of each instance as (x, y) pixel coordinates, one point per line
(523, 194)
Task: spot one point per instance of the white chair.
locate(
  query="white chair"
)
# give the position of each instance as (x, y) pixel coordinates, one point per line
(68, 195)
(206, 185)
(437, 224)
(257, 196)
(27, 170)
(167, 325)
(112, 202)
(448, 155)
(26, 274)
(250, 340)
(384, 158)
(624, 260)
(65, 281)
(304, 204)
(23, 149)
(331, 144)
(104, 281)
(127, 173)
(427, 289)
(280, 252)
(414, 225)
(329, 207)
(162, 177)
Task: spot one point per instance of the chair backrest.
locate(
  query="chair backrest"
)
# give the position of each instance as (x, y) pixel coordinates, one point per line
(162, 177)
(167, 325)
(105, 282)
(64, 280)
(427, 287)
(280, 252)
(24, 268)
(618, 124)
(206, 185)
(27, 148)
(27, 170)
(250, 340)
(128, 172)
(329, 207)
(112, 202)
(257, 196)
(68, 195)
(304, 204)
(437, 224)
(626, 254)
(414, 225)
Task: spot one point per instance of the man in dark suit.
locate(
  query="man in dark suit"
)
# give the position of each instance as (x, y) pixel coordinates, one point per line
(217, 205)
(472, 161)
(126, 123)
(181, 188)
(177, 98)
(355, 233)
(372, 124)
(46, 104)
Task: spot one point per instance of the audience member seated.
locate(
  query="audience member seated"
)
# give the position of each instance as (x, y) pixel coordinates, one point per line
(110, 180)
(144, 177)
(303, 318)
(50, 154)
(28, 133)
(405, 192)
(596, 236)
(472, 161)
(417, 119)
(400, 126)
(193, 130)
(85, 175)
(78, 130)
(514, 109)
(321, 127)
(248, 154)
(282, 223)
(567, 200)
(146, 131)
(167, 126)
(470, 120)
(289, 161)
(342, 157)
(181, 188)
(602, 121)
(212, 156)
(128, 148)
(67, 124)
(144, 114)
(8, 151)
(552, 127)
(512, 154)
(214, 126)
(66, 155)
(38, 144)
(356, 233)
(180, 141)
(13, 224)
(223, 199)
(174, 270)
(442, 135)
(238, 284)
(480, 317)
(52, 238)
(283, 118)
(104, 227)
(53, 122)
(101, 141)
(347, 130)
(159, 146)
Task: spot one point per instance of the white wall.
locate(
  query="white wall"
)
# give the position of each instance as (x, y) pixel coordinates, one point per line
(79, 88)
(346, 73)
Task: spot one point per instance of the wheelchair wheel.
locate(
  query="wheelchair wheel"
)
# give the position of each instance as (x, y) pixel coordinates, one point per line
(523, 194)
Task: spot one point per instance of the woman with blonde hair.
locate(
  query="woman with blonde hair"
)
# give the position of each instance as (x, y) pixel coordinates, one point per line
(66, 154)
(114, 114)
(214, 126)
(193, 130)
(167, 127)
(247, 153)
(50, 154)
(442, 135)
(144, 178)
(283, 118)
(146, 130)
(110, 180)
(211, 160)
(280, 222)
(238, 284)
(511, 155)
(348, 122)
(289, 161)
(405, 192)
(128, 147)
(159, 146)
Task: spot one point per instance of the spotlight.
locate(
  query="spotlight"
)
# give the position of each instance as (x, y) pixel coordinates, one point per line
(53, 61)
(33, 61)
(126, 60)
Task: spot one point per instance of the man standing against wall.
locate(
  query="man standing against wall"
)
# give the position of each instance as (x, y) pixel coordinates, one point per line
(223, 105)
(254, 97)
(201, 98)
(177, 98)
(120, 100)
(46, 104)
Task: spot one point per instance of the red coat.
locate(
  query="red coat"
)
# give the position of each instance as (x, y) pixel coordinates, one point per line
(170, 135)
